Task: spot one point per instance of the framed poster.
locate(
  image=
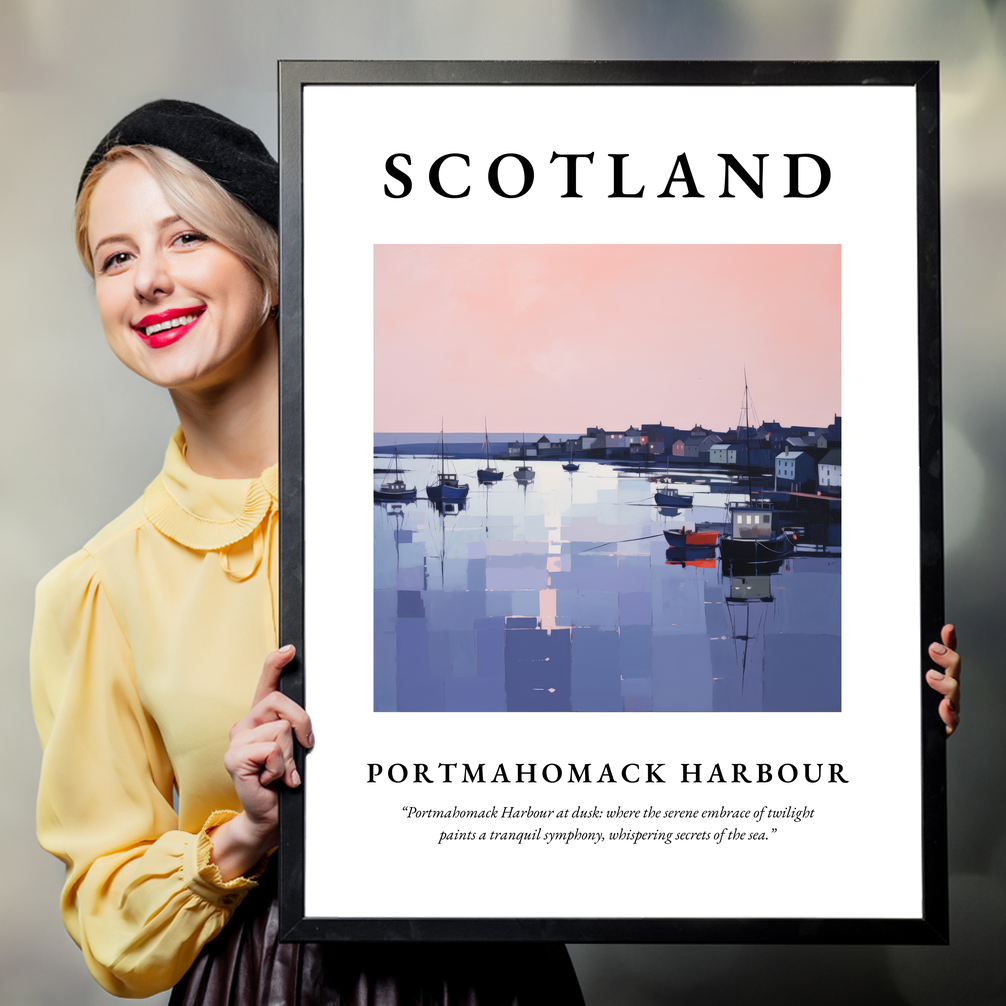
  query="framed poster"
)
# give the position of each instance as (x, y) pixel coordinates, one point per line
(600, 637)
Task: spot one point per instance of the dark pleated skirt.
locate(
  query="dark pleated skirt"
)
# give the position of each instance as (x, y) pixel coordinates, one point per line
(246, 965)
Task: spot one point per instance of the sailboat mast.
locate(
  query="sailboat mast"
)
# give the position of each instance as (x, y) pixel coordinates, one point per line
(747, 428)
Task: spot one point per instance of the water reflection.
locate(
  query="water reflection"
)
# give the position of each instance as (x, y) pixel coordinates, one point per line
(561, 594)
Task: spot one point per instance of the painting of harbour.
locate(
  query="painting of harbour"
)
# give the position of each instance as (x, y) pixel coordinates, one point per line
(609, 562)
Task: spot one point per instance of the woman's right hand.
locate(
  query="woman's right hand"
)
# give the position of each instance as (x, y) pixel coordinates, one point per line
(260, 753)
(948, 681)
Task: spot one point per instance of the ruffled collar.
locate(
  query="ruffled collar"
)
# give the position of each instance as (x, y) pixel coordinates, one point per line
(203, 513)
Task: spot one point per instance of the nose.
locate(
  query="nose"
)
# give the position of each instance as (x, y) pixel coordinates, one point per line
(152, 277)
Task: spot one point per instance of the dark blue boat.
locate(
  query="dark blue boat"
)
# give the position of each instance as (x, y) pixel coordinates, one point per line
(446, 487)
(672, 499)
(756, 536)
(488, 474)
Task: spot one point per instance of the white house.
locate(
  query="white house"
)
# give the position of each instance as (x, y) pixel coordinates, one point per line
(829, 470)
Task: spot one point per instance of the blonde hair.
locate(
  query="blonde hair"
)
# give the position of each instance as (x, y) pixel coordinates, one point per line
(199, 200)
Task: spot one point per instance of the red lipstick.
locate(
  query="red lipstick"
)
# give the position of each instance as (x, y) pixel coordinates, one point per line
(166, 327)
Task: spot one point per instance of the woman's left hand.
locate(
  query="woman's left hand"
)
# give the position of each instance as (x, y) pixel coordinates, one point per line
(259, 756)
(948, 681)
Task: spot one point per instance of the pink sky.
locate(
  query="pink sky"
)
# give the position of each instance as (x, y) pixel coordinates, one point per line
(560, 337)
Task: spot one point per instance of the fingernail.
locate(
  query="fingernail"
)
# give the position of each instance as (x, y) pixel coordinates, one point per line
(938, 648)
(287, 649)
(310, 740)
(936, 676)
(295, 777)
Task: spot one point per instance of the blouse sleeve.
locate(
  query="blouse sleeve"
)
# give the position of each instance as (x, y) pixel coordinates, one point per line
(141, 898)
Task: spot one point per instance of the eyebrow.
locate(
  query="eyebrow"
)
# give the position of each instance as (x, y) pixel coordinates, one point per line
(111, 238)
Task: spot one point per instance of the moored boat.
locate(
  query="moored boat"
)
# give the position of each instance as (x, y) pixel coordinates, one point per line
(755, 535)
(395, 490)
(754, 538)
(524, 473)
(672, 499)
(488, 474)
(446, 486)
(682, 538)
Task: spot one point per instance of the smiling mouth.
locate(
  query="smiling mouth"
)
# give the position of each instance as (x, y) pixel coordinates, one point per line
(164, 326)
(167, 327)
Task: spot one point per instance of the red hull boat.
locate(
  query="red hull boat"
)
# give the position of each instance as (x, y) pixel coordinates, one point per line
(677, 539)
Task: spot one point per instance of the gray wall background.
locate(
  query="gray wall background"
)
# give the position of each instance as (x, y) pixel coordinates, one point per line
(82, 436)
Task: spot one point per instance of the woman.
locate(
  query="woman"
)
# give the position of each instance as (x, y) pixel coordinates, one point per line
(149, 642)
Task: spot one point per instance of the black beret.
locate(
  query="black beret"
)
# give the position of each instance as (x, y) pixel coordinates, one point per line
(230, 154)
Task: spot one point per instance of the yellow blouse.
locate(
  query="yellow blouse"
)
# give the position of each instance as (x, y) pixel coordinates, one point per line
(147, 647)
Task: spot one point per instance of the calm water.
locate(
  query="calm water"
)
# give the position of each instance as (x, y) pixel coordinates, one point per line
(507, 603)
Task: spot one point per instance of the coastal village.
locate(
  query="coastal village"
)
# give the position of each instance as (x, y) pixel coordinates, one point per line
(804, 459)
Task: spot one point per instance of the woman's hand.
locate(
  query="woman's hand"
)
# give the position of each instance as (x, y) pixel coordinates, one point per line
(947, 682)
(260, 754)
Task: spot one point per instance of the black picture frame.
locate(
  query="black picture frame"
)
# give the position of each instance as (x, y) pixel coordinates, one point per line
(931, 927)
